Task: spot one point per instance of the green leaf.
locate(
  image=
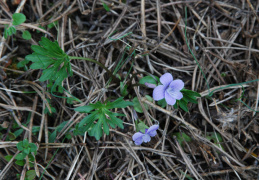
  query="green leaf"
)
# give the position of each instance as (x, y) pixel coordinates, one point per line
(190, 99)
(68, 136)
(51, 25)
(25, 143)
(30, 175)
(137, 105)
(190, 93)
(175, 105)
(9, 31)
(31, 157)
(181, 137)
(11, 136)
(89, 119)
(123, 89)
(20, 156)
(97, 131)
(5, 32)
(141, 126)
(27, 150)
(183, 105)
(35, 129)
(119, 103)
(216, 138)
(85, 109)
(12, 30)
(20, 162)
(8, 157)
(116, 120)
(61, 126)
(162, 103)
(20, 146)
(26, 35)
(18, 18)
(22, 63)
(33, 147)
(55, 62)
(106, 7)
(53, 136)
(102, 118)
(149, 79)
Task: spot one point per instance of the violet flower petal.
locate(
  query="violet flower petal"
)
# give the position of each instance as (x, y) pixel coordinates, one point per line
(159, 93)
(177, 85)
(177, 95)
(166, 79)
(138, 138)
(139, 141)
(146, 138)
(169, 100)
(152, 130)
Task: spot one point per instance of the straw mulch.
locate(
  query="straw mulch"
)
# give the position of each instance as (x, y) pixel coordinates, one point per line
(216, 139)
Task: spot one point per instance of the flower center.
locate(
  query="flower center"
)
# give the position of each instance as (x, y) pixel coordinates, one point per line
(171, 92)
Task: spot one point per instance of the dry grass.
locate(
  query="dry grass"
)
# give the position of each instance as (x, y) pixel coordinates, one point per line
(223, 36)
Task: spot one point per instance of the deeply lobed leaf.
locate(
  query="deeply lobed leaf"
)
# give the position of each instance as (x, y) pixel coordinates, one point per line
(54, 62)
(105, 117)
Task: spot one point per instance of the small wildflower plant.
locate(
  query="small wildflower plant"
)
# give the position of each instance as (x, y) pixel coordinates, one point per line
(17, 19)
(170, 91)
(26, 150)
(100, 112)
(145, 136)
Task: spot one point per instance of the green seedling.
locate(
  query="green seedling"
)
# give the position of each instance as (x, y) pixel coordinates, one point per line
(105, 118)
(17, 19)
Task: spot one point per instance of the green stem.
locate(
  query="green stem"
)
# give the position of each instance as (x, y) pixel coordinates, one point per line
(96, 62)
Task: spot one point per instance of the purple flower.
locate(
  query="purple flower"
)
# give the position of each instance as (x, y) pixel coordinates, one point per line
(140, 137)
(170, 89)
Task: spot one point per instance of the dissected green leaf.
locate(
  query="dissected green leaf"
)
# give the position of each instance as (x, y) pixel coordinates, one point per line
(22, 63)
(18, 18)
(85, 109)
(97, 131)
(54, 62)
(104, 117)
(89, 119)
(118, 103)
